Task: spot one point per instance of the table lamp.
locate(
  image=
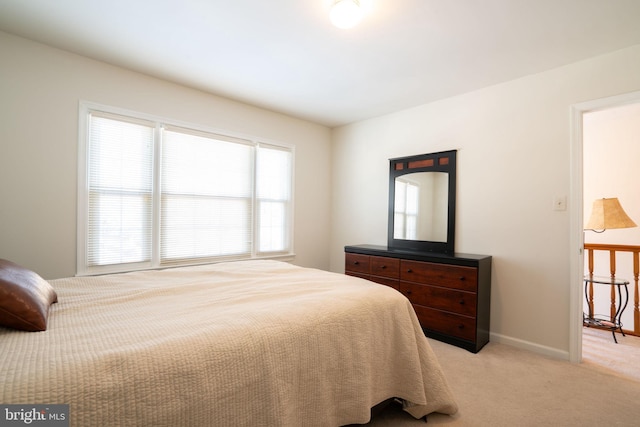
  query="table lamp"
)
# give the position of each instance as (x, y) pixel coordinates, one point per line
(607, 214)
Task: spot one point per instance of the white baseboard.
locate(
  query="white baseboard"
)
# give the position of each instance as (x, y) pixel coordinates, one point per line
(530, 346)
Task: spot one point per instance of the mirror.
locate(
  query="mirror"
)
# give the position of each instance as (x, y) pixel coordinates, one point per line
(421, 205)
(422, 202)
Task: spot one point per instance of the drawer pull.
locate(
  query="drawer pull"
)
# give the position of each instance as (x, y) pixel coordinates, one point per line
(356, 262)
(460, 326)
(461, 302)
(383, 267)
(408, 292)
(461, 278)
(409, 271)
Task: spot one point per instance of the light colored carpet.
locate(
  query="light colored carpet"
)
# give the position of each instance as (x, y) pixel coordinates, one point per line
(506, 386)
(601, 352)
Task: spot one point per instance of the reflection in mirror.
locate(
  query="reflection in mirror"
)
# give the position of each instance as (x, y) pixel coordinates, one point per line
(421, 206)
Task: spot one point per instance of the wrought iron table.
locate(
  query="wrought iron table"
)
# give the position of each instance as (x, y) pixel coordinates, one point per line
(611, 323)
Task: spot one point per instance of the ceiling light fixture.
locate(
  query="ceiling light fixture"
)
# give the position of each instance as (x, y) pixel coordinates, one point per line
(346, 13)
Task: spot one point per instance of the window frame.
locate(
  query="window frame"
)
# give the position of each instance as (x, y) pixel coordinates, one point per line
(86, 108)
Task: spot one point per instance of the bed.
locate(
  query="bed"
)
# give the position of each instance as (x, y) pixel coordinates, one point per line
(243, 343)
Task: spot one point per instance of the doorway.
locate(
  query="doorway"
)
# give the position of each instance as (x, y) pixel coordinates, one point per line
(577, 199)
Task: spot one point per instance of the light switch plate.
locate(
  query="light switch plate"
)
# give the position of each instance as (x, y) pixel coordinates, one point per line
(560, 203)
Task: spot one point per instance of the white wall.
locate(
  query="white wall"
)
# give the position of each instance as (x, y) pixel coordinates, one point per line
(40, 88)
(513, 161)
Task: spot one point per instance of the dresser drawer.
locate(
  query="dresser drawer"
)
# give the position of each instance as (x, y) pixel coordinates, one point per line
(446, 299)
(446, 323)
(356, 263)
(445, 275)
(385, 267)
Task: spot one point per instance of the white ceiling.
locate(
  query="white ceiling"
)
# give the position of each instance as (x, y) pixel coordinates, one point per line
(284, 55)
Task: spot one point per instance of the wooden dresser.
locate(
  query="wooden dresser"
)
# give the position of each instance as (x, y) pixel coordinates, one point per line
(451, 294)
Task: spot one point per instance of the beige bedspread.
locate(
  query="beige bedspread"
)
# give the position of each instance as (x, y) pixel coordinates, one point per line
(232, 344)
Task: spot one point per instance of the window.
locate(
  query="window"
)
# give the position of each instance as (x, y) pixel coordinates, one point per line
(154, 193)
(406, 209)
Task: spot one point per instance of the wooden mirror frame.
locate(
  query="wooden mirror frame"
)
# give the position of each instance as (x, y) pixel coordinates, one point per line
(444, 161)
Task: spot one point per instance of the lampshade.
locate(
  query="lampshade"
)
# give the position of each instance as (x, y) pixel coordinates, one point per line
(606, 214)
(346, 13)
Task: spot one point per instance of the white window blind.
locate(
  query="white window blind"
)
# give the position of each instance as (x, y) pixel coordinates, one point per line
(274, 193)
(406, 209)
(207, 187)
(120, 187)
(157, 193)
